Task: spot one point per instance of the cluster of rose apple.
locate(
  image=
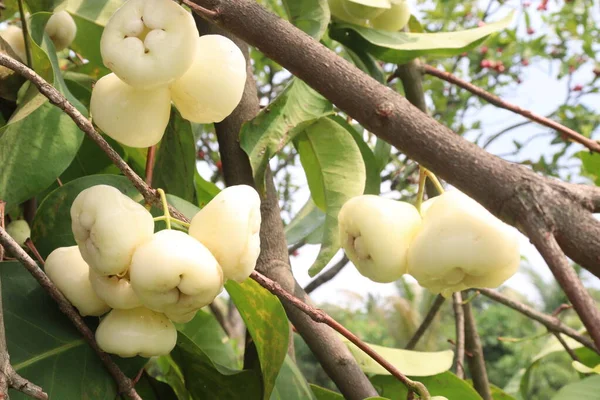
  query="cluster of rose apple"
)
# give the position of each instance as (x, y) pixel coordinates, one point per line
(151, 280)
(157, 56)
(452, 244)
(385, 15)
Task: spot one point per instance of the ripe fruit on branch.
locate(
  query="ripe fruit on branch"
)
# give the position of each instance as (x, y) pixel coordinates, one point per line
(149, 43)
(138, 331)
(134, 117)
(62, 29)
(175, 274)
(367, 9)
(108, 226)
(115, 291)
(229, 226)
(461, 245)
(376, 233)
(213, 86)
(14, 37)
(19, 230)
(393, 19)
(70, 273)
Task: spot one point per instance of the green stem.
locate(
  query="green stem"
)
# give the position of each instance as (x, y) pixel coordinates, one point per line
(165, 206)
(471, 297)
(435, 180)
(421, 191)
(173, 219)
(25, 29)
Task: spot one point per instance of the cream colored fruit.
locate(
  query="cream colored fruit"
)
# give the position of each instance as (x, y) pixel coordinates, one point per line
(367, 9)
(14, 37)
(139, 331)
(376, 233)
(149, 43)
(108, 226)
(134, 117)
(213, 86)
(175, 274)
(462, 245)
(339, 11)
(393, 19)
(61, 29)
(70, 273)
(115, 291)
(229, 226)
(19, 230)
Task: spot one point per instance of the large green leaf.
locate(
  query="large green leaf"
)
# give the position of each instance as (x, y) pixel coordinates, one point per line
(588, 388)
(445, 384)
(366, 63)
(40, 140)
(590, 165)
(289, 114)
(311, 16)
(175, 165)
(51, 226)
(325, 394)
(308, 221)
(205, 190)
(90, 160)
(401, 47)
(335, 171)
(205, 379)
(44, 346)
(164, 370)
(267, 323)
(44, 5)
(290, 383)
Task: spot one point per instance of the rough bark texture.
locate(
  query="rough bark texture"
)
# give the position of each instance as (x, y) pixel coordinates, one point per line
(475, 358)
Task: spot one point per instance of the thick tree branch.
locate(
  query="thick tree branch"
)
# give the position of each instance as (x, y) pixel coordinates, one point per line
(475, 359)
(327, 275)
(435, 307)
(124, 384)
(498, 102)
(459, 318)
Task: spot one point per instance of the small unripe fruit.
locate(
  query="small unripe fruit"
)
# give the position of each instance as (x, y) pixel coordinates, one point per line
(108, 226)
(175, 274)
(393, 19)
(139, 331)
(366, 9)
(213, 86)
(70, 273)
(339, 11)
(461, 245)
(115, 291)
(134, 117)
(62, 29)
(14, 37)
(376, 233)
(19, 230)
(229, 226)
(149, 43)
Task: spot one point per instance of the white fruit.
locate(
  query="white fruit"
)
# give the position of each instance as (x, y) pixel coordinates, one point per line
(462, 245)
(393, 19)
(134, 117)
(339, 11)
(61, 29)
(19, 230)
(229, 226)
(14, 37)
(213, 86)
(149, 43)
(367, 9)
(115, 291)
(175, 274)
(376, 233)
(108, 226)
(139, 331)
(70, 273)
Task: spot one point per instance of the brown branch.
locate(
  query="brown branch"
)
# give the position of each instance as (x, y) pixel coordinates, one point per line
(320, 316)
(553, 324)
(475, 360)
(123, 382)
(459, 318)
(150, 164)
(435, 307)
(327, 275)
(295, 247)
(566, 346)
(498, 102)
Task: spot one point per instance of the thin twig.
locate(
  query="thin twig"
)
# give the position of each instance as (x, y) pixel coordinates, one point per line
(123, 382)
(476, 361)
(25, 29)
(498, 102)
(566, 346)
(150, 164)
(459, 319)
(296, 246)
(205, 12)
(320, 316)
(435, 307)
(327, 275)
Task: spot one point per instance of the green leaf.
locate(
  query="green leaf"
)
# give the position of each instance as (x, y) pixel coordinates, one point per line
(590, 165)
(267, 323)
(335, 171)
(290, 384)
(366, 63)
(185, 207)
(445, 384)
(207, 380)
(401, 47)
(43, 5)
(308, 220)
(175, 165)
(587, 388)
(164, 369)
(51, 226)
(499, 394)
(325, 394)
(311, 16)
(382, 153)
(290, 113)
(90, 160)
(46, 348)
(409, 362)
(205, 190)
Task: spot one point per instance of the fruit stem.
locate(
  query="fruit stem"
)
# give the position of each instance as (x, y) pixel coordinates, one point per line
(173, 219)
(165, 206)
(470, 298)
(421, 191)
(435, 180)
